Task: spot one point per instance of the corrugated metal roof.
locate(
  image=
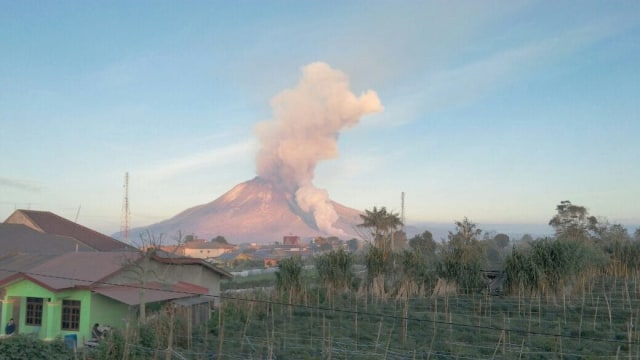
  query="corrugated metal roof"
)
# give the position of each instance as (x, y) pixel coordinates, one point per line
(12, 264)
(130, 293)
(168, 258)
(19, 238)
(71, 269)
(51, 223)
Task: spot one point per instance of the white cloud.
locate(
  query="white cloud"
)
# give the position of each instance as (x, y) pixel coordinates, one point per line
(19, 184)
(211, 158)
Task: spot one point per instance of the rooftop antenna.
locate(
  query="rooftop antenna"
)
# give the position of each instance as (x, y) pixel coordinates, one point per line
(124, 221)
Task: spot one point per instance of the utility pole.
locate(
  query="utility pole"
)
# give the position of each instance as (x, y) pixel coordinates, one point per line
(124, 220)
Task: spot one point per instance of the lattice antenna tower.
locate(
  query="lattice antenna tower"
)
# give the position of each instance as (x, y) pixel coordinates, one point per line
(126, 214)
(402, 210)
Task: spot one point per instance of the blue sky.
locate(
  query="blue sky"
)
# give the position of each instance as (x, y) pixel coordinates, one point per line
(492, 110)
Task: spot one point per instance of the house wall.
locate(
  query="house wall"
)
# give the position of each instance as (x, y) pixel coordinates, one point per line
(51, 310)
(19, 218)
(109, 312)
(55, 319)
(16, 295)
(171, 273)
(195, 274)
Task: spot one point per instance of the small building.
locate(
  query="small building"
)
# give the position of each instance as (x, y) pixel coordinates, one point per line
(56, 295)
(291, 240)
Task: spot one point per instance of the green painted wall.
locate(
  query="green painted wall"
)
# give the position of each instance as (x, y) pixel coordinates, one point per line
(84, 332)
(94, 308)
(20, 290)
(106, 311)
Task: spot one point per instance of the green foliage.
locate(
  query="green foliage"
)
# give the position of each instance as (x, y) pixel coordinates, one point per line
(147, 337)
(375, 262)
(289, 275)
(219, 240)
(112, 347)
(464, 270)
(550, 265)
(334, 269)
(19, 347)
(415, 270)
(383, 224)
(466, 234)
(573, 222)
(424, 244)
(502, 240)
(462, 258)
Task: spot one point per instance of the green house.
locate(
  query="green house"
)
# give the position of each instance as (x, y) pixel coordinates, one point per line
(53, 296)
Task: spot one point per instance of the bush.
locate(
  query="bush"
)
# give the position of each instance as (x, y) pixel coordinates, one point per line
(21, 347)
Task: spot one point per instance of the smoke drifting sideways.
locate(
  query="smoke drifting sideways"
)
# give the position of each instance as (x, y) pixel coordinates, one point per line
(306, 124)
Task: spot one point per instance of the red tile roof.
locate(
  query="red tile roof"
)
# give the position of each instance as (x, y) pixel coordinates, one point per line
(50, 223)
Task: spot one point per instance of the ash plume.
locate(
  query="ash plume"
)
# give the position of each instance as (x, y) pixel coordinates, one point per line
(306, 123)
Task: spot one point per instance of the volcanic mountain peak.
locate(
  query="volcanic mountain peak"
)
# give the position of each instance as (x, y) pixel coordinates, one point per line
(254, 211)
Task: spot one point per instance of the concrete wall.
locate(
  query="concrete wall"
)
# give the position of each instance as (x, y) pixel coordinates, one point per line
(170, 273)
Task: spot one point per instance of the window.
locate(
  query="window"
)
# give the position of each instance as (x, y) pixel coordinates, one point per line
(70, 315)
(34, 311)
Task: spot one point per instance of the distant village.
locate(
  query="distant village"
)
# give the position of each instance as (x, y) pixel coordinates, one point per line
(246, 256)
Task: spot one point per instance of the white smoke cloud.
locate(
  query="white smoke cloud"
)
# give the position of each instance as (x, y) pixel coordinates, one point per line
(304, 130)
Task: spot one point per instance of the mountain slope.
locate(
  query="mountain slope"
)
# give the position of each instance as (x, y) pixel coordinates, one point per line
(253, 211)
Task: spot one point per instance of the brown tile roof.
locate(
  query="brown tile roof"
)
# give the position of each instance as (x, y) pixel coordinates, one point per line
(50, 223)
(19, 238)
(154, 291)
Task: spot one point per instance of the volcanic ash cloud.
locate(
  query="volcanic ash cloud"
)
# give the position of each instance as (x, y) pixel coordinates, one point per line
(304, 130)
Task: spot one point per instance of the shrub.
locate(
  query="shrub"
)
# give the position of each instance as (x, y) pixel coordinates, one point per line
(20, 347)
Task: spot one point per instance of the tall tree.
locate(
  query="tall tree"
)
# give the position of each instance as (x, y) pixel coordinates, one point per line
(573, 221)
(466, 233)
(220, 240)
(462, 257)
(383, 224)
(502, 240)
(372, 220)
(423, 243)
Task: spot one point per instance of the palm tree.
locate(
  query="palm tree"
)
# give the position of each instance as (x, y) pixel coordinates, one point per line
(391, 222)
(372, 219)
(383, 224)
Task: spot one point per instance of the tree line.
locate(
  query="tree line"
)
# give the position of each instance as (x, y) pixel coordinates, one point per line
(582, 247)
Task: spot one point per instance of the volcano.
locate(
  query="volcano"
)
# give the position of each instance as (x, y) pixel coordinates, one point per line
(253, 211)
